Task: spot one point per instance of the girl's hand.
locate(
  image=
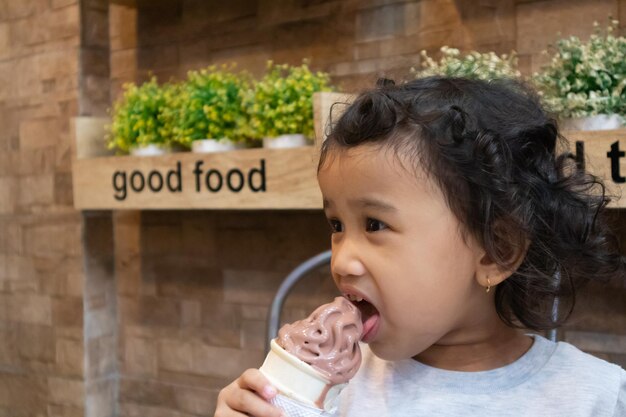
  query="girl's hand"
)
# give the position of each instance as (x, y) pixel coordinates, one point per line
(247, 396)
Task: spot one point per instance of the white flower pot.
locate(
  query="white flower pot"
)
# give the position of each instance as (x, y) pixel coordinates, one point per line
(215, 145)
(597, 122)
(286, 141)
(148, 150)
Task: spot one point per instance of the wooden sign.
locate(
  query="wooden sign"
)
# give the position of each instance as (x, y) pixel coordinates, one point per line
(602, 153)
(244, 179)
(261, 178)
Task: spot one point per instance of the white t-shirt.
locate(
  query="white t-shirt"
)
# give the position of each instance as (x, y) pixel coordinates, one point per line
(551, 379)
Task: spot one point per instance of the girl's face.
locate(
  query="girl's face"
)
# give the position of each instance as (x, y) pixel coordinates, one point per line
(396, 244)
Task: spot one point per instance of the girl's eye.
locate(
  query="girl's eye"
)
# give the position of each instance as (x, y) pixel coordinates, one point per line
(373, 225)
(335, 226)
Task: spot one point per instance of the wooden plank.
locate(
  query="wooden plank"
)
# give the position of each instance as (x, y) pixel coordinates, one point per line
(245, 179)
(602, 160)
(596, 144)
(323, 105)
(288, 175)
(89, 134)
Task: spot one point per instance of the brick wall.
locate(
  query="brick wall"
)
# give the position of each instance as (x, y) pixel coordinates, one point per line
(150, 313)
(41, 275)
(194, 300)
(355, 41)
(194, 315)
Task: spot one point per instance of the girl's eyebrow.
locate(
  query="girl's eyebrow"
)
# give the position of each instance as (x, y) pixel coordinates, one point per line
(370, 202)
(365, 202)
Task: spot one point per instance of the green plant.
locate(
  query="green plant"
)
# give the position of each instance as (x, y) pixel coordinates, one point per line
(586, 78)
(476, 65)
(137, 118)
(282, 101)
(210, 105)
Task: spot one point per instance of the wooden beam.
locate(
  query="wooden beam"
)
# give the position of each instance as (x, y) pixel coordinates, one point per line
(326, 105)
(601, 156)
(245, 179)
(259, 178)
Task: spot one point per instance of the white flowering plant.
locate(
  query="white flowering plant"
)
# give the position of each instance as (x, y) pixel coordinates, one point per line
(475, 65)
(586, 78)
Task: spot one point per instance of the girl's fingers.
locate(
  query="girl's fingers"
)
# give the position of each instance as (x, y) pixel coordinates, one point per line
(253, 379)
(250, 404)
(248, 395)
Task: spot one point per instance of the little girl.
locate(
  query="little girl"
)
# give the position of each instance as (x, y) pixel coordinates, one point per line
(458, 222)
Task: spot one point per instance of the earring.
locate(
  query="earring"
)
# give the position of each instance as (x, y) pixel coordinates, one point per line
(488, 285)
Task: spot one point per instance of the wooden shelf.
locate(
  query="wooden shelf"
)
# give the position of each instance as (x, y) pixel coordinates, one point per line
(602, 150)
(255, 178)
(237, 180)
(245, 179)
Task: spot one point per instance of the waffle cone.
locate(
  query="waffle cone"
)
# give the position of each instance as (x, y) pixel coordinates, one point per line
(298, 380)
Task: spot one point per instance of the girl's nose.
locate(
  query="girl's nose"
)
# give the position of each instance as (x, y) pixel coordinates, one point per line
(346, 260)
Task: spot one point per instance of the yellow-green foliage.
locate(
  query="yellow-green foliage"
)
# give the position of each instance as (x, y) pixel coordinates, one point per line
(475, 65)
(216, 103)
(586, 78)
(137, 118)
(282, 101)
(211, 106)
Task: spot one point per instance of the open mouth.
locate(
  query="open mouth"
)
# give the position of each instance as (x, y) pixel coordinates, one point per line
(370, 316)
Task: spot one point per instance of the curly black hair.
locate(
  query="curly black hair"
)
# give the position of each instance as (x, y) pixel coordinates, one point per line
(492, 150)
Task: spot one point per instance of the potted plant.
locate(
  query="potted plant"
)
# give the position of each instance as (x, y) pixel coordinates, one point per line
(477, 65)
(281, 104)
(210, 111)
(137, 125)
(584, 82)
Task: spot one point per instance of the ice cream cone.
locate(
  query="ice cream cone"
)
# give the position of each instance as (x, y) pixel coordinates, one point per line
(297, 380)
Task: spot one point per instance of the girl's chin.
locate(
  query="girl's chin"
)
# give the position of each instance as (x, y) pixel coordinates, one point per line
(387, 350)
(393, 350)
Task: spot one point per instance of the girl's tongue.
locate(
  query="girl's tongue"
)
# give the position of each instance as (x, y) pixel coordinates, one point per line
(370, 318)
(370, 327)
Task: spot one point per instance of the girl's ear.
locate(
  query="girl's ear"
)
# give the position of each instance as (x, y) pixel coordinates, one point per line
(489, 268)
(511, 251)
